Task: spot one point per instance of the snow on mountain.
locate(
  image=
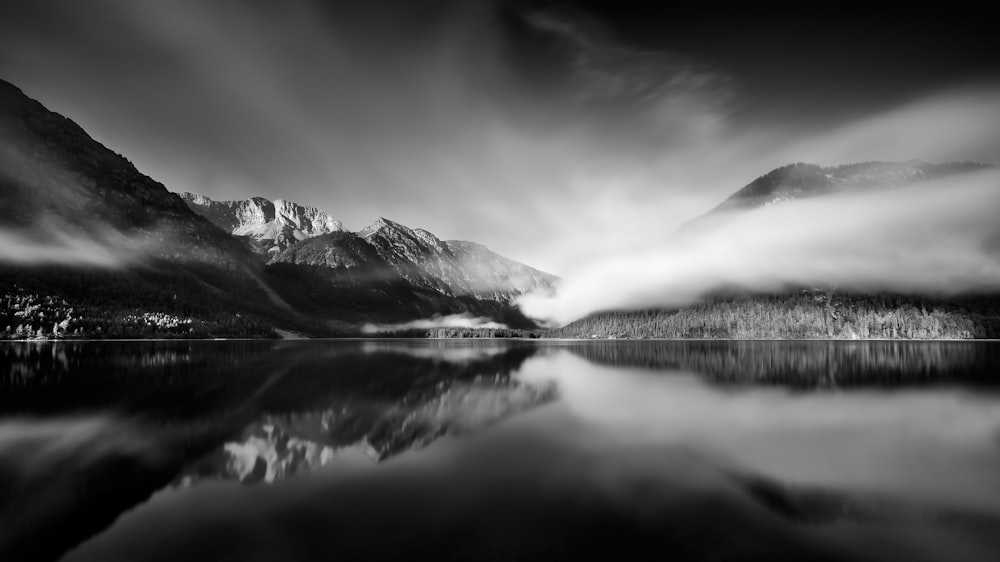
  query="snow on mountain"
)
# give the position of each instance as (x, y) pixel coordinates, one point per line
(274, 225)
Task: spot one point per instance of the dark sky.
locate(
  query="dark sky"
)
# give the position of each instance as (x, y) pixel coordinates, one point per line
(534, 127)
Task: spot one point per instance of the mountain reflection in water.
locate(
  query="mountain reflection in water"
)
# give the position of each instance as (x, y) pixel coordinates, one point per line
(698, 450)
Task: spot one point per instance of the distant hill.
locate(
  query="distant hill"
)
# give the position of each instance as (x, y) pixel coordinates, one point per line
(800, 181)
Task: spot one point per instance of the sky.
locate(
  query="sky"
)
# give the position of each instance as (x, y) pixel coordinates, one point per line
(558, 133)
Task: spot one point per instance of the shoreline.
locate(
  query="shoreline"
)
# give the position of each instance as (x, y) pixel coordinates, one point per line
(539, 339)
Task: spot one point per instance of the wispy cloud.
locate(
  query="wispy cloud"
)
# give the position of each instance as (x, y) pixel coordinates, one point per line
(18, 247)
(422, 112)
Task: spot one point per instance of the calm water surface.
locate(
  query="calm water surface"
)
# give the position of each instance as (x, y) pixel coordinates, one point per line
(499, 450)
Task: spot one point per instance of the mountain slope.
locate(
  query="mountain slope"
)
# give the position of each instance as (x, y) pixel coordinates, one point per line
(417, 255)
(490, 275)
(454, 267)
(345, 277)
(56, 182)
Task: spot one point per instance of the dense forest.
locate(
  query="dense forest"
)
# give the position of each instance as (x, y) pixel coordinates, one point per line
(802, 315)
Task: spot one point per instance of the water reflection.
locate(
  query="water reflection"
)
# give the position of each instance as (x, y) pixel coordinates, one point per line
(809, 364)
(276, 446)
(936, 444)
(700, 450)
(111, 422)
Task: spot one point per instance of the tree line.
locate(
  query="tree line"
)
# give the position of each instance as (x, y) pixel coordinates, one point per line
(802, 315)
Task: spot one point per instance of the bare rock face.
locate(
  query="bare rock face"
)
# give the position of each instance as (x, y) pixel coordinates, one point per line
(271, 225)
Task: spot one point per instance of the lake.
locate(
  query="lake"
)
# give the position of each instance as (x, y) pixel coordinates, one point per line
(499, 450)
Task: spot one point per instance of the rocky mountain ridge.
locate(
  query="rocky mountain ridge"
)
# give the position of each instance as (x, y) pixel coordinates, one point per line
(453, 268)
(272, 225)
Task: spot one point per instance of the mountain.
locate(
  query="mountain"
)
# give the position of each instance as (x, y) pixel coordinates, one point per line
(799, 181)
(823, 313)
(91, 247)
(336, 250)
(454, 267)
(417, 255)
(796, 181)
(296, 234)
(406, 274)
(272, 225)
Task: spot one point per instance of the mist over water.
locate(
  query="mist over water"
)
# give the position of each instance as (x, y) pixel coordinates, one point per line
(449, 321)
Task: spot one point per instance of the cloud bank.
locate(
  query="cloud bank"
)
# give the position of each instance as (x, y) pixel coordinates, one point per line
(935, 237)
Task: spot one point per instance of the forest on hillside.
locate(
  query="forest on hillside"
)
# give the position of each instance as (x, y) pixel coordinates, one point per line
(69, 303)
(802, 315)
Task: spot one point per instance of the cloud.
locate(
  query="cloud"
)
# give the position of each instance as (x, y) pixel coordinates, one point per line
(51, 246)
(443, 114)
(463, 320)
(936, 237)
(50, 216)
(534, 130)
(961, 124)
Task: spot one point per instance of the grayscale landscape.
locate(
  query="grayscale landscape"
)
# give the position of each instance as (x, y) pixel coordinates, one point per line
(497, 280)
